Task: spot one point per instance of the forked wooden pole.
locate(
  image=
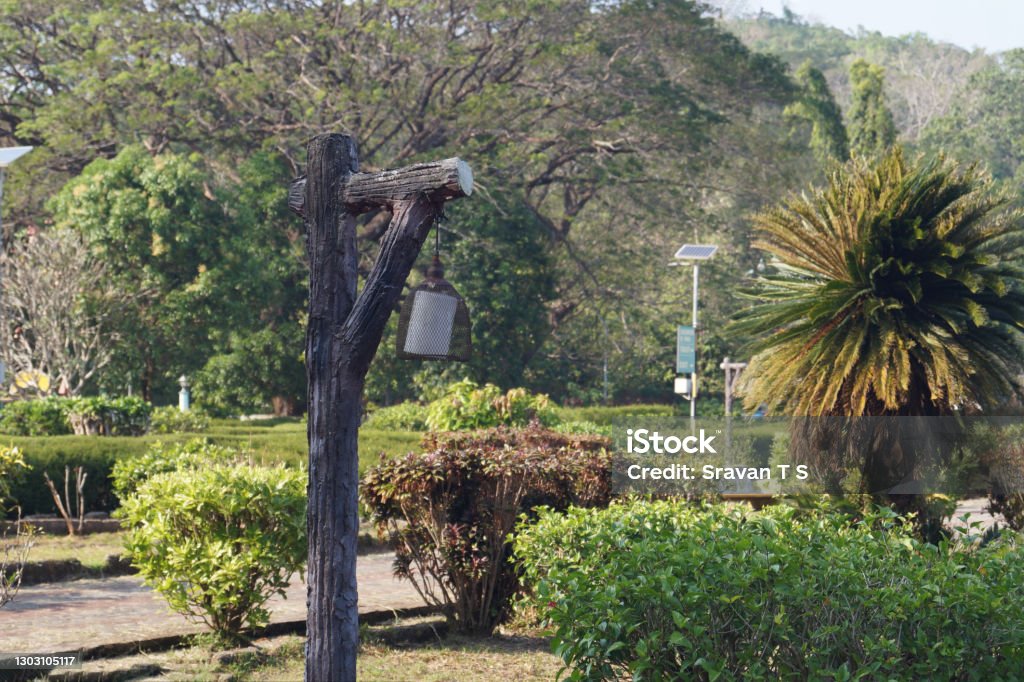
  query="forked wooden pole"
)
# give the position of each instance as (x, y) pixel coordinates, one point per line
(344, 331)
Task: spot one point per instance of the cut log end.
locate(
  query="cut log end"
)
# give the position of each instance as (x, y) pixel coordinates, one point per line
(465, 177)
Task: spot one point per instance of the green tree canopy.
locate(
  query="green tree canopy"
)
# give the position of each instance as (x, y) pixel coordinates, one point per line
(816, 106)
(615, 124)
(987, 121)
(872, 130)
(153, 221)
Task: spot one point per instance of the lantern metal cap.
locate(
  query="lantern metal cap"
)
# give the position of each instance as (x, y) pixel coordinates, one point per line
(435, 271)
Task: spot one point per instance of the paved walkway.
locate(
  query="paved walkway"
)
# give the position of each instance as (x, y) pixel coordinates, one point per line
(85, 613)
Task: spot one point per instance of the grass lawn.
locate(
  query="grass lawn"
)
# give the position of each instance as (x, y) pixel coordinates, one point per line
(91, 550)
(516, 658)
(466, 659)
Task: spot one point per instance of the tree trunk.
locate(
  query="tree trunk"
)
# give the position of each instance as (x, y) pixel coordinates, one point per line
(284, 406)
(146, 381)
(332, 624)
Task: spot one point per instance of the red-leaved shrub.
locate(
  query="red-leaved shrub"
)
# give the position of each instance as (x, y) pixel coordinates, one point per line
(451, 508)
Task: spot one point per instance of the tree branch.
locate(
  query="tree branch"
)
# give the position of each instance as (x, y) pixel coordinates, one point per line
(361, 192)
(362, 331)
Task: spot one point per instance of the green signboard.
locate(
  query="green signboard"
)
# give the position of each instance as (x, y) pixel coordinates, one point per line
(686, 350)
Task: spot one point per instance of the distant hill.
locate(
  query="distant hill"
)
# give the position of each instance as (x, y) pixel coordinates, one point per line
(923, 76)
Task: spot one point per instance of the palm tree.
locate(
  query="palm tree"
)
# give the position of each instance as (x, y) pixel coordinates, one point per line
(898, 290)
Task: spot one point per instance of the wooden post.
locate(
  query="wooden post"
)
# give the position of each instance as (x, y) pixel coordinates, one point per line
(343, 333)
(732, 374)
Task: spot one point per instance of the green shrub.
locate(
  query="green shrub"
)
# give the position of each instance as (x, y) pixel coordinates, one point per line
(661, 591)
(400, 417)
(170, 419)
(104, 416)
(41, 417)
(130, 472)
(12, 468)
(467, 406)
(218, 541)
(93, 415)
(450, 510)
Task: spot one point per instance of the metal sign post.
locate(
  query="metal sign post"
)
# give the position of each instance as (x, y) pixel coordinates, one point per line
(695, 253)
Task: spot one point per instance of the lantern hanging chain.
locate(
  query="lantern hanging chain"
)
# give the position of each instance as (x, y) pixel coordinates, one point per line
(441, 217)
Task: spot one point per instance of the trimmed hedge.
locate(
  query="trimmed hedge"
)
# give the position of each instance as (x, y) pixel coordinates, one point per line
(51, 454)
(604, 416)
(664, 591)
(269, 443)
(401, 417)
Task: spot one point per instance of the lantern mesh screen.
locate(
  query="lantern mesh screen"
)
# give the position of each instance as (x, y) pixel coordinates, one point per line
(434, 322)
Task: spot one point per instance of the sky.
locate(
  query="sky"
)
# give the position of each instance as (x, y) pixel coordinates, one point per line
(995, 25)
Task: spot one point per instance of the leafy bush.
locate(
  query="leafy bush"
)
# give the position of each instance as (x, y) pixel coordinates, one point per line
(466, 406)
(104, 416)
(664, 591)
(12, 466)
(400, 417)
(218, 541)
(93, 415)
(129, 473)
(41, 417)
(170, 419)
(451, 509)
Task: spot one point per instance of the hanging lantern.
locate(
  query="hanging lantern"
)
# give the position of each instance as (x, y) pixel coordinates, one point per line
(434, 321)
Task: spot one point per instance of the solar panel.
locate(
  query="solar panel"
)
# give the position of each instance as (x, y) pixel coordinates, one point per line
(10, 154)
(696, 251)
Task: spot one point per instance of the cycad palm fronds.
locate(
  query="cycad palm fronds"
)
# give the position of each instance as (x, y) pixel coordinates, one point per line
(898, 290)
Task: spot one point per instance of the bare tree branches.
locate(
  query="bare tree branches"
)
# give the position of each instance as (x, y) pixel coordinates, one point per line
(55, 307)
(13, 554)
(64, 505)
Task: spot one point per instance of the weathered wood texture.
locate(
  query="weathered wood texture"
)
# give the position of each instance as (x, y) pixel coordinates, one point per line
(331, 517)
(342, 337)
(361, 192)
